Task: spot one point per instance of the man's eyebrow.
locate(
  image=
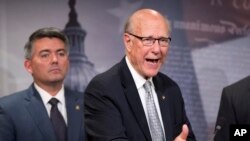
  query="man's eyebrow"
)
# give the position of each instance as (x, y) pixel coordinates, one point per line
(45, 50)
(151, 36)
(61, 50)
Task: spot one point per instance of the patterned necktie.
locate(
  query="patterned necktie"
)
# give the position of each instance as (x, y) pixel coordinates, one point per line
(57, 120)
(153, 118)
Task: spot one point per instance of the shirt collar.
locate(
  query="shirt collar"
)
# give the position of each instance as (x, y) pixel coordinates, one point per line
(46, 96)
(138, 79)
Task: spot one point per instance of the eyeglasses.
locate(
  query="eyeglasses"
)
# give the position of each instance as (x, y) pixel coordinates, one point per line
(149, 41)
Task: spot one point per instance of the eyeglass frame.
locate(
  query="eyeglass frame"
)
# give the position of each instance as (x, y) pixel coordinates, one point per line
(168, 39)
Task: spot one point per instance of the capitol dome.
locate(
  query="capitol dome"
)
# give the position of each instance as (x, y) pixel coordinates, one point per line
(81, 70)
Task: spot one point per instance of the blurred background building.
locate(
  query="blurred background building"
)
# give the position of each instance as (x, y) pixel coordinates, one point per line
(81, 70)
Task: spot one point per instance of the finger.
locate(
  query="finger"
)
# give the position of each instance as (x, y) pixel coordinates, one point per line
(184, 132)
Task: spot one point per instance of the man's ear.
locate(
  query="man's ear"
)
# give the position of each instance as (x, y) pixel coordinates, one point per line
(27, 65)
(127, 42)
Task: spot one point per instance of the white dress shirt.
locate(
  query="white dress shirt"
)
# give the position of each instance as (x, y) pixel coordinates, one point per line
(139, 82)
(46, 97)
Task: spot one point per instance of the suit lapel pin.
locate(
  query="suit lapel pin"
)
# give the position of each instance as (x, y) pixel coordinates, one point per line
(163, 97)
(77, 107)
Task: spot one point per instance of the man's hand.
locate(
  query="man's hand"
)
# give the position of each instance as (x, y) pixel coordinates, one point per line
(183, 135)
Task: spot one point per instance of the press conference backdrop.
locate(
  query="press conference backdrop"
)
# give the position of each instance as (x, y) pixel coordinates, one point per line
(210, 47)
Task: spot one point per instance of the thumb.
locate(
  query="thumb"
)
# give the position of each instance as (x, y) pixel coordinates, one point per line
(184, 133)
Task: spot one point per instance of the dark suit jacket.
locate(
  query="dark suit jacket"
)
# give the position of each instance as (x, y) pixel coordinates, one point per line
(113, 109)
(234, 108)
(23, 117)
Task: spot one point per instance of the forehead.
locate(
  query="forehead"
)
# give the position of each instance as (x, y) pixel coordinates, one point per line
(151, 25)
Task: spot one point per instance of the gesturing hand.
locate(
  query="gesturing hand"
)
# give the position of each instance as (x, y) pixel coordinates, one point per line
(183, 135)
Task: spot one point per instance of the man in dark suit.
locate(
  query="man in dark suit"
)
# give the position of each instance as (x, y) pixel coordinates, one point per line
(234, 108)
(28, 115)
(133, 100)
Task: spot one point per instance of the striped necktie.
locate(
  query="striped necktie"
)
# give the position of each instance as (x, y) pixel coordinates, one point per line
(155, 127)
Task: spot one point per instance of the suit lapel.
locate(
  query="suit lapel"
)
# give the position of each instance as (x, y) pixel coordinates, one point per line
(74, 107)
(133, 98)
(39, 114)
(164, 106)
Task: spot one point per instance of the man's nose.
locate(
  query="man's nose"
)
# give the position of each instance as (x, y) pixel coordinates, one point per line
(156, 46)
(54, 58)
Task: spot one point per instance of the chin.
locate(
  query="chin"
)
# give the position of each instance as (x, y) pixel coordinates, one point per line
(57, 80)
